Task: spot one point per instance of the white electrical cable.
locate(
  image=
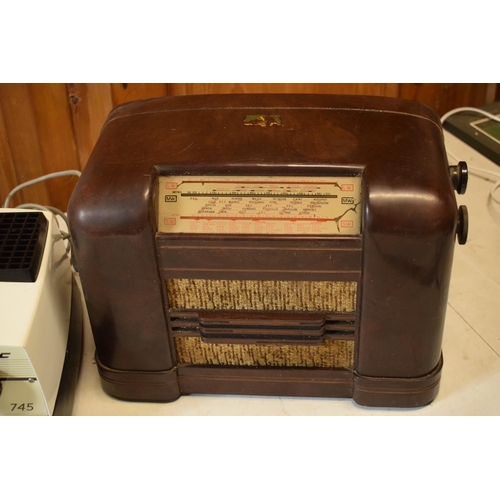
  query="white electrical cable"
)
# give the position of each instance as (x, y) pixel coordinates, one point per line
(47, 208)
(65, 235)
(488, 173)
(475, 169)
(474, 110)
(37, 180)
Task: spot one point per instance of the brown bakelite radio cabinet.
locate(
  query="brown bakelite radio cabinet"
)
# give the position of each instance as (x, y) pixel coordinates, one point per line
(295, 245)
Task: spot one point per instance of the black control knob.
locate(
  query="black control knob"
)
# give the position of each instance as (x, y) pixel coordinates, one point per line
(462, 225)
(459, 176)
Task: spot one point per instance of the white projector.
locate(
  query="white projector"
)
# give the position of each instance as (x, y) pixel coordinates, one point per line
(35, 311)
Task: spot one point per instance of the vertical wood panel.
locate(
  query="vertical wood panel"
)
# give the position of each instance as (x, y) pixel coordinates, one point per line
(55, 133)
(125, 92)
(384, 89)
(381, 89)
(90, 104)
(491, 89)
(8, 179)
(391, 89)
(22, 135)
(445, 96)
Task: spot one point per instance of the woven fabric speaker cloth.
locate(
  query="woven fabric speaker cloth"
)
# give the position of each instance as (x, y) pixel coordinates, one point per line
(262, 295)
(329, 354)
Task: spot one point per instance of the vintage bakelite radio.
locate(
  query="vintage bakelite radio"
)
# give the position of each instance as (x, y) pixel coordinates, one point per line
(295, 245)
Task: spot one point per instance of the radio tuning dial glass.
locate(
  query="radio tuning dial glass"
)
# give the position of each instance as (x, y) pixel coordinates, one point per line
(259, 205)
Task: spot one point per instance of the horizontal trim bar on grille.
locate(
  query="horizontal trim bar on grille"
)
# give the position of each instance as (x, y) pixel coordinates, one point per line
(263, 255)
(273, 327)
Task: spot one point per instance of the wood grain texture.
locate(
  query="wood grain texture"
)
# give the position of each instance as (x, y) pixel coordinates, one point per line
(90, 104)
(37, 139)
(440, 96)
(23, 139)
(125, 92)
(57, 142)
(445, 96)
(299, 88)
(8, 178)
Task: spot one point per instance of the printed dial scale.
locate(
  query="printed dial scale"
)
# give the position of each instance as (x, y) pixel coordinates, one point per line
(259, 205)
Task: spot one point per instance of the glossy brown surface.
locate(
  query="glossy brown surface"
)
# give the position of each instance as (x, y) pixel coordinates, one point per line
(402, 260)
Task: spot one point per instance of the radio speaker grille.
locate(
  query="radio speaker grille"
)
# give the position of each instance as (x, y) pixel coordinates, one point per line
(329, 354)
(262, 295)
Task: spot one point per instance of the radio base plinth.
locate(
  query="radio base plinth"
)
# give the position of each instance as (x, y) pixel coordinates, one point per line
(397, 392)
(167, 386)
(291, 382)
(154, 386)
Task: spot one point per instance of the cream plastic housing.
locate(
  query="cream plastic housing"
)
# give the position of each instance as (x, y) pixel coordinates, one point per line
(34, 331)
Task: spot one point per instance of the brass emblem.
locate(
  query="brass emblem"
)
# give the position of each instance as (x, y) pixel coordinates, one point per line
(263, 120)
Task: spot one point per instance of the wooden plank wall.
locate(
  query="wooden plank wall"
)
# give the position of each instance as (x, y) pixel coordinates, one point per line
(50, 127)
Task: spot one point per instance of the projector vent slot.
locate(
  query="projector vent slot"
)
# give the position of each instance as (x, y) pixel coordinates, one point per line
(262, 295)
(22, 241)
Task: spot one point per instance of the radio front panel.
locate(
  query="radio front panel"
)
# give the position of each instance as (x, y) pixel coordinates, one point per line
(253, 331)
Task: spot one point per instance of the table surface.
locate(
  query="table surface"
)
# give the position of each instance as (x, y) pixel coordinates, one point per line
(471, 345)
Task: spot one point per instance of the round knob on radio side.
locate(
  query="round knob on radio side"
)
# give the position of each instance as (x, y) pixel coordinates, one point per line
(459, 176)
(462, 225)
